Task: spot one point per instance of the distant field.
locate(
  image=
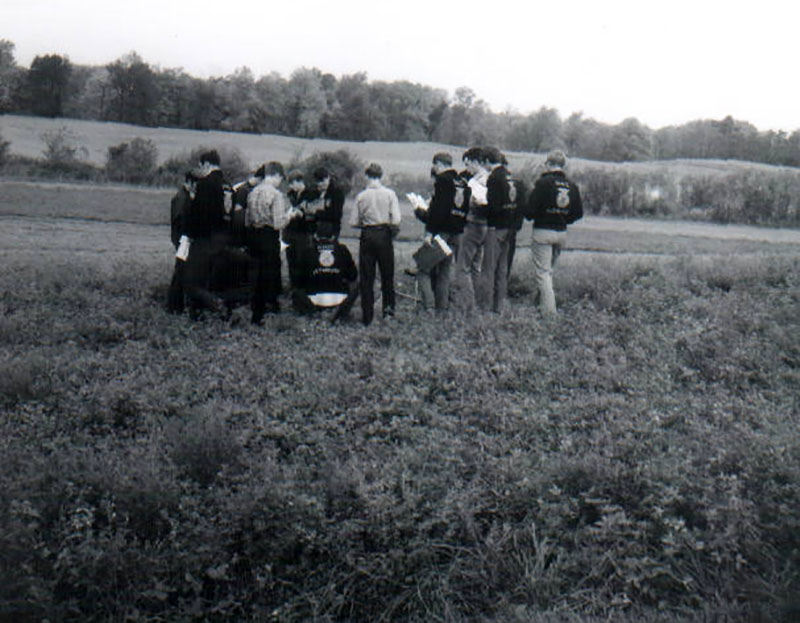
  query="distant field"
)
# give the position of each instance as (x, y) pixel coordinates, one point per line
(24, 134)
(150, 206)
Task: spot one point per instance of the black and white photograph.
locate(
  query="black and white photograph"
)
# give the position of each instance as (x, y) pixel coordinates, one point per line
(399, 312)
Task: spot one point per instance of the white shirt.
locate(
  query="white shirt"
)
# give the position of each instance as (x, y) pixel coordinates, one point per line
(376, 205)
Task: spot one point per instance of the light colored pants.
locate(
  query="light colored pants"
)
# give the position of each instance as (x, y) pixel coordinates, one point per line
(470, 281)
(546, 246)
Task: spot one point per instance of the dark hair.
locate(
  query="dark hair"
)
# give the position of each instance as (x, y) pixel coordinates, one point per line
(212, 157)
(274, 168)
(492, 155)
(444, 158)
(325, 230)
(189, 178)
(374, 171)
(556, 158)
(260, 172)
(294, 175)
(320, 173)
(475, 154)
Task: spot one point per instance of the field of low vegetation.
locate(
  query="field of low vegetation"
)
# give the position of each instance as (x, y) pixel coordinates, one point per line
(635, 460)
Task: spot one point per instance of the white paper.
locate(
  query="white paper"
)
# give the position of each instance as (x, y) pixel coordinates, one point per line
(183, 249)
(443, 245)
(416, 201)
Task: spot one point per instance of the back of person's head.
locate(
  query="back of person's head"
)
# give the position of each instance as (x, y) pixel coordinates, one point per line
(556, 159)
(475, 154)
(295, 175)
(274, 168)
(189, 178)
(325, 230)
(261, 172)
(492, 155)
(210, 157)
(443, 158)
(374, 171)
(321, 173)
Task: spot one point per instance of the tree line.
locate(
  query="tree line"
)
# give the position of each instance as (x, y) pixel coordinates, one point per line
(313, 104)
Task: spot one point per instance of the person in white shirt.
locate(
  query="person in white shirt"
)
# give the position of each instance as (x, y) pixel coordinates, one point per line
(377, 214)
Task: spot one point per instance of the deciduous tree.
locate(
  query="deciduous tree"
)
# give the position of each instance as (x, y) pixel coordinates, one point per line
(46, 85)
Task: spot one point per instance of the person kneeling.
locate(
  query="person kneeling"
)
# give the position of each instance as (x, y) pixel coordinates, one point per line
(327, 276)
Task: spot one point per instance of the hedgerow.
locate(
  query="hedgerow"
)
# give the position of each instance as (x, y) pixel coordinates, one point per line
(635, 460)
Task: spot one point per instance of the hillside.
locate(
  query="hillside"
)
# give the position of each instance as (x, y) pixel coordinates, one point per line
(24, 134)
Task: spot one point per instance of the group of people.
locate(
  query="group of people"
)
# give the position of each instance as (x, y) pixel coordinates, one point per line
(228, 239)
(476, 214)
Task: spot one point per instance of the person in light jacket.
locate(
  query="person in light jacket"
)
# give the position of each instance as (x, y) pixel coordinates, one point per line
(377, 214)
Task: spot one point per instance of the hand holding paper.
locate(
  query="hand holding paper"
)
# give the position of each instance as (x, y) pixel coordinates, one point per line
(416, 201)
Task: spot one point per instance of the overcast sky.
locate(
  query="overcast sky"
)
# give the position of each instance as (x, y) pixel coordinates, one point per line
(664, 63)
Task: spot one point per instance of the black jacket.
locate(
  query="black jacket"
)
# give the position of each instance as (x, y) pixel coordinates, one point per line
(333, 206)
(327, 266)
(443, 215)
(301, 224)
(504, 196)
(555, 202)
(207, 211)
(179, 207)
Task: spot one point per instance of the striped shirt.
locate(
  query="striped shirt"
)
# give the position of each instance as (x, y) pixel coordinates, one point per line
(266, 207)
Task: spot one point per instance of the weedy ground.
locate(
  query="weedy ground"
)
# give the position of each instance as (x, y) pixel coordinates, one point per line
(636, 459)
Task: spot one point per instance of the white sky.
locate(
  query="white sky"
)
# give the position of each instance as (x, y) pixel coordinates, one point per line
(664, 63)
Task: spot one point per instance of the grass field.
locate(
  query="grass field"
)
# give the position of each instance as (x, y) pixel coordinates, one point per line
(636, 460)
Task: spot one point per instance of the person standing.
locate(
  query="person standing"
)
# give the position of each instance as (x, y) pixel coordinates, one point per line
(299, 232)
(179, 208)
(205, 226)
(443, 218)
(328, 201)
(517, 220)
(468, 273)
(377, 214)
(240, 193)
(501, 197)
(555, 202)
(267, 213)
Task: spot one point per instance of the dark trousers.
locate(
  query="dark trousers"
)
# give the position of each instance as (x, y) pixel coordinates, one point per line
(376, 249)
(175, 294)
(197, 274)
(264, 246)
(300, 243)
(512, 249)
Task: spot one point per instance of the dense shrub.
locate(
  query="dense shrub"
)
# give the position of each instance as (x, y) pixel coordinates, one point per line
(752, 197)
(132, 162)
(347, 168)
(61, 146)
(4, 151)
(65, 157)
(233, 164)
